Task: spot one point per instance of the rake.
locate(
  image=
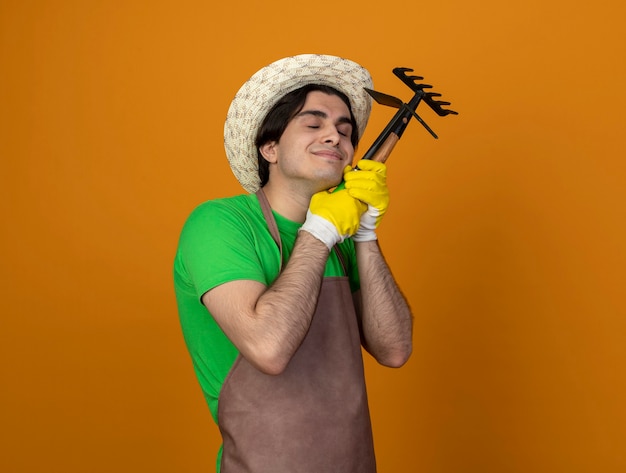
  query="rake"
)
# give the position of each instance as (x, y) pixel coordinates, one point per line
(384, 144)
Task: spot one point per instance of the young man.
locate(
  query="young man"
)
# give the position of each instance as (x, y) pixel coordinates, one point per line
(277, 290)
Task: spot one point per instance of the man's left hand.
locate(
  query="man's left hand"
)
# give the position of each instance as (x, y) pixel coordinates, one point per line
(369, 185)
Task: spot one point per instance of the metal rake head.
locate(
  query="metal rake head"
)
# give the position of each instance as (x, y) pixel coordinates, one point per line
(385, 141)
(428, 97)
(408, 110)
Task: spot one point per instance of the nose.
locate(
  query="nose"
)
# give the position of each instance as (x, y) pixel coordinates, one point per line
(331, 135)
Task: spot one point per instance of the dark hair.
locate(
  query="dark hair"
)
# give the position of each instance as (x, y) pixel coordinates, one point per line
(279, 116)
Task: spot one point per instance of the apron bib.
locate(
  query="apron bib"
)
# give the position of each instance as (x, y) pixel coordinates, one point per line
(313, 417)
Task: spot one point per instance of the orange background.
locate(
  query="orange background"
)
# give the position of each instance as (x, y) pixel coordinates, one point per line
(508, 234)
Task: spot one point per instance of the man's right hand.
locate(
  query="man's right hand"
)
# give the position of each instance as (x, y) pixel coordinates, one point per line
(333, 216)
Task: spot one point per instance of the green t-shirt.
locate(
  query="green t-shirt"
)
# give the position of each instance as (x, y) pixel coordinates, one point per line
(226, 240)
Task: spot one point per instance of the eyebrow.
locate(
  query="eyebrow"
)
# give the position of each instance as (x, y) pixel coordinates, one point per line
(320, 114)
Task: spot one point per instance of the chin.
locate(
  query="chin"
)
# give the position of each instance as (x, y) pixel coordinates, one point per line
(329, 183)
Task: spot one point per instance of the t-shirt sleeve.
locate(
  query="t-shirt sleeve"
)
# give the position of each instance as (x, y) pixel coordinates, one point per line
(218, 245)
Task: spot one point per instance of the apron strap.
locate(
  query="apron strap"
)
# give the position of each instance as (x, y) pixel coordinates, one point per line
(271, 222)
(342, 260)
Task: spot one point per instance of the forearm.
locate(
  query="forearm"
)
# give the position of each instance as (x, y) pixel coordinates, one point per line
(285, 310)
(386, 320)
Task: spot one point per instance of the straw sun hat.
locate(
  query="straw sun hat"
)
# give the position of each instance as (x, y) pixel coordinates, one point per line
(259, 94)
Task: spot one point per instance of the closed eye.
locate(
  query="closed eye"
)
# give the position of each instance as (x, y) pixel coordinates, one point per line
(345, 129)
(312, 117)
(341, 131)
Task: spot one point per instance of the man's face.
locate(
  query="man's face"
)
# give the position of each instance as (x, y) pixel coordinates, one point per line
(315, 146)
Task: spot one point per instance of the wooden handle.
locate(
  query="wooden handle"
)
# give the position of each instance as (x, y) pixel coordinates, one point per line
(381, 154)
(386, 148)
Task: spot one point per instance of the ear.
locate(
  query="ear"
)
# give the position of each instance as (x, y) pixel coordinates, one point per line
(268, 151)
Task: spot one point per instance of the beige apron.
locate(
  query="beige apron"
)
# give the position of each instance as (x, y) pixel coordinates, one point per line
(313, 417)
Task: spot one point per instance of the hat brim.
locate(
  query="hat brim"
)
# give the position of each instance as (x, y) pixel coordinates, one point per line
(259, 94)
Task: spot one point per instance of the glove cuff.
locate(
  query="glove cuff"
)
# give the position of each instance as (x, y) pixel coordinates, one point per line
(321, 229)
(363, 235)
(367, 228)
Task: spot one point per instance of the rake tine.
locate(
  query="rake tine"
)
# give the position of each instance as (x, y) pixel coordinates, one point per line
(400, 72)
(414, 79)
(436, 106)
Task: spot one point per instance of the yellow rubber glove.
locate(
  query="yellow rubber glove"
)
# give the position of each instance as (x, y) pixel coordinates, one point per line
(333, 216)
(369, 185)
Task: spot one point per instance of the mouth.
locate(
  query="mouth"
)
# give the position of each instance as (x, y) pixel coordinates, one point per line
(332, 154)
